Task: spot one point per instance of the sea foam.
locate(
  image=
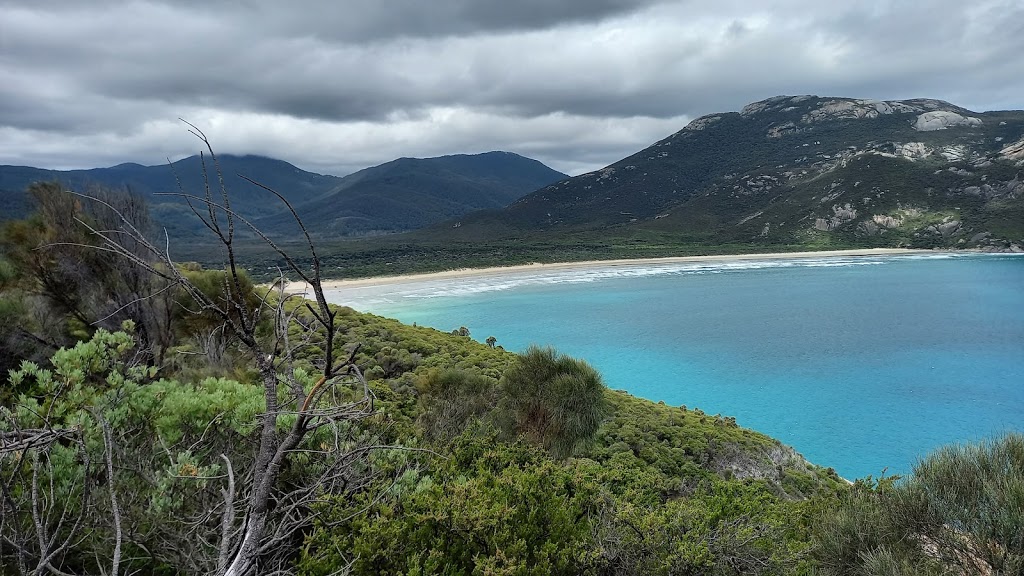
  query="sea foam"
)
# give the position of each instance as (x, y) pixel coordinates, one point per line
(372, 298)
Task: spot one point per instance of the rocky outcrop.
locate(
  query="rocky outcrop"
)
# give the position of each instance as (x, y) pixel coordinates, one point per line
(1014, 152)
(942, 119)
(868, 227)
(885, 221)
(947, 229)
(955, 153)
(782, 129)
(756, 184)
(774, 103)
(913, 150)
(840, 215)
(770, 463)
(847, 109)
(702, 123)
(1011, 189)
(879, 223)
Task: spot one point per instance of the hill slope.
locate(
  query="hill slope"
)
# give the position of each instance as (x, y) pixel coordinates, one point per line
(410, 193)
(798, 170)
(149, 181)
(400, 195)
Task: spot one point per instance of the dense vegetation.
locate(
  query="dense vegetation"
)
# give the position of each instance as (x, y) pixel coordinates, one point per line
(405, 254)
(140, 399)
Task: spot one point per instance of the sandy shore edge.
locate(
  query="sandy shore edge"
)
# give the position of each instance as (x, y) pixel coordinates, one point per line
(498, 271)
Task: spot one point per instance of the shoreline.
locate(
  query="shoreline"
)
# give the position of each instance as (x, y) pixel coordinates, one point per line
(300, 287)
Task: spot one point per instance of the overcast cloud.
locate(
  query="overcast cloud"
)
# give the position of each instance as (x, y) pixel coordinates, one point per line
(334, 86)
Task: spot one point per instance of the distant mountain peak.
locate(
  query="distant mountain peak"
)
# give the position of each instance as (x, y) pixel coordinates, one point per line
(773, 103)
(816, 108)
(796, 113)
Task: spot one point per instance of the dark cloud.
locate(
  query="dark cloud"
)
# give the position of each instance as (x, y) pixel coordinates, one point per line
(376, 20)
(338, 85)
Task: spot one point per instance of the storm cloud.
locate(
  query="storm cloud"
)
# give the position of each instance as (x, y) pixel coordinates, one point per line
(337, 86)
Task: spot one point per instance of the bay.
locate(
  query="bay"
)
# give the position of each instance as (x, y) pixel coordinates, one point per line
(860, 363)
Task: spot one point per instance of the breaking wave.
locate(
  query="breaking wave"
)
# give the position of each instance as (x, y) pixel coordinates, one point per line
(369, 298)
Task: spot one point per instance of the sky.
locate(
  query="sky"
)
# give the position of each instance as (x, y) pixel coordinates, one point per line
(333, 86)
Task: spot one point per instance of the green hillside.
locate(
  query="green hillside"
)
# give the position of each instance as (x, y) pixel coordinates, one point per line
(149, 182)
(411, 193)
(400, 195)
(803, 170)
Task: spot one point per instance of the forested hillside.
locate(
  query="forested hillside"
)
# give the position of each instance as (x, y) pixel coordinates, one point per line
(155, 183)
(396, 196)
(410, 193)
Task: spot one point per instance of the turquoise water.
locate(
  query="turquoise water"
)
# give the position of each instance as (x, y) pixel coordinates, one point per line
(862, 364)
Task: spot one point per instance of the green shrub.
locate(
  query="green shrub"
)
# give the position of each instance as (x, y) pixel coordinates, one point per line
(487, 508)
(961, 511)
(450, 399)
(553, 400)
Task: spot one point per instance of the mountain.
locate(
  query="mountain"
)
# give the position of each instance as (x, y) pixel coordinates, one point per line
(149, 181)
(400, 195)
(411, 193)
(795, 170)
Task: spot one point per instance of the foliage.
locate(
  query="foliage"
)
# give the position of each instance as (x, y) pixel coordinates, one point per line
(689, 444)
(960, 511)
(664, 511)
(14, 347)
(451, 399)
(552, 399)
(69, 285)
(489, 506)
(721, 527)
(167, 438)
(485, 508)
(251, 521)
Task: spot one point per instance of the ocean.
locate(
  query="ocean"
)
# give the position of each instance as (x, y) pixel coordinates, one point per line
(862, 363)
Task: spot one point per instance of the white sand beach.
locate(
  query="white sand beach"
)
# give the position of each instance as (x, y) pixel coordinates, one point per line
(499, 271)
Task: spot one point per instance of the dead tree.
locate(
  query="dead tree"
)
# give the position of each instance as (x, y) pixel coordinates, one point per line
(260, 518)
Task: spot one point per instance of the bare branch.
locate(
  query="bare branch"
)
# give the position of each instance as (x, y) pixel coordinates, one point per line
(258, 517)
(28, 439)
(228, 518)
(115, 510)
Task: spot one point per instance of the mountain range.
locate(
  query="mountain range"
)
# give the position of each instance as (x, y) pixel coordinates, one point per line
(789, 172)
(396, 196)
(411, 193)
(794, 170)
